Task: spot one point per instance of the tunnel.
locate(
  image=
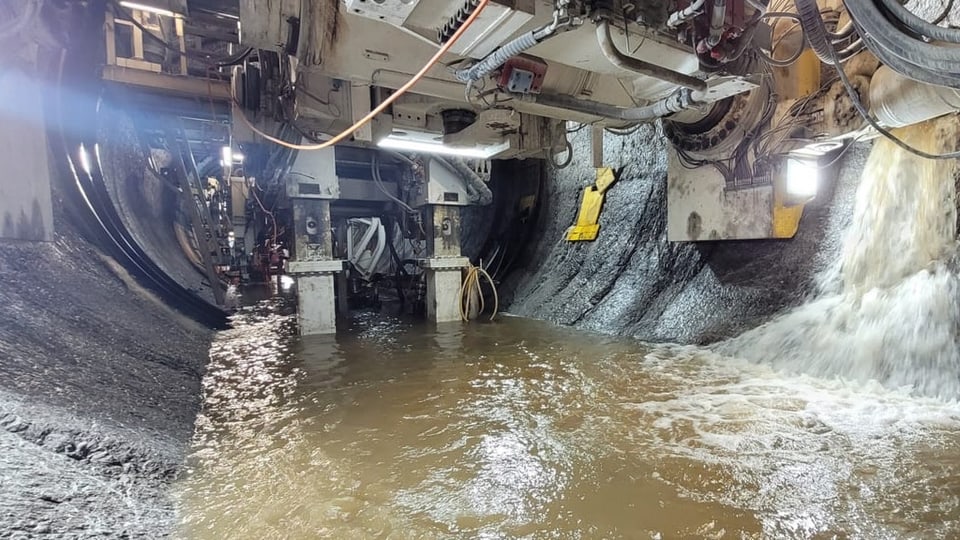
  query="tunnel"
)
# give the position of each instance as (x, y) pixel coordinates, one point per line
(602, 270)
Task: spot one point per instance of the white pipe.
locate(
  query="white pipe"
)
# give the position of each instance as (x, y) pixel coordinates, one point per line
(718, 21)
(899, 101)
(679, 17)
(354, 249)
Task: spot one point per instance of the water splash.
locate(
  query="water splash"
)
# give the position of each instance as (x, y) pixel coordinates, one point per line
(888, 309)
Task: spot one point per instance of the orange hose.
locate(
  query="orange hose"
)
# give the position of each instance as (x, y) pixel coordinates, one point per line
(387, 102)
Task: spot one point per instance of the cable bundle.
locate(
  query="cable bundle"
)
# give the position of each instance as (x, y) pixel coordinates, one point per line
(470, 284)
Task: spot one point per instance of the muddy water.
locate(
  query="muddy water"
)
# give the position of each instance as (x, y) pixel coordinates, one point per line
(524, 430)
(888, 309)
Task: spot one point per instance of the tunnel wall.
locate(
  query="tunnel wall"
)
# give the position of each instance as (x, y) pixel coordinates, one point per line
(631, 281)
(99, 376)
(101, 383)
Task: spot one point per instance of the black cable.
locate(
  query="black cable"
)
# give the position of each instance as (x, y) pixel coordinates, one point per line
(818, 32)
(943, 14)
(566, 162)
(623, 132)
(399, 271)
(921, 27)
(769, 59)
(236, 59)
(931, 63)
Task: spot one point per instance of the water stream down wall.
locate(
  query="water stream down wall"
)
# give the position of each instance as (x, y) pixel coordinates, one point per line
(888, 308)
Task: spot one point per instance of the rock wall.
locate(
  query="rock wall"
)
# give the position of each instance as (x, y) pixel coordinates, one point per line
(631, 281)
(100, 386)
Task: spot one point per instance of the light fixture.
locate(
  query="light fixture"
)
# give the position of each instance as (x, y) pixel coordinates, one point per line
(149, 9)
(394, 142)
(803, 176)
(228, 156)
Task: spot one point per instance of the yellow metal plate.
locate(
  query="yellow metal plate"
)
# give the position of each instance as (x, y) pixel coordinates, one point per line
(587, 227)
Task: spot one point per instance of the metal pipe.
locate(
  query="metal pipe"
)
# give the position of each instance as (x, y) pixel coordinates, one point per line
(718, 22)
(899, 101)
(676, 102)
(640, 67)
(679, 17)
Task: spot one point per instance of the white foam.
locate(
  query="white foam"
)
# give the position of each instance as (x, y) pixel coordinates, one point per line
(887, 309)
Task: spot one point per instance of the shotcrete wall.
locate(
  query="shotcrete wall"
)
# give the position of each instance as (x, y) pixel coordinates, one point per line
(631, 281)
(99, 376)
(100, 386)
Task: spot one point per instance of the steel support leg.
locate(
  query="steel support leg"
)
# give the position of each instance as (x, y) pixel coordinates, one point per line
(444, 267)
(314, 267)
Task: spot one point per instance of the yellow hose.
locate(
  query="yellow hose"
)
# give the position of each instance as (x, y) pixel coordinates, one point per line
(472, 282)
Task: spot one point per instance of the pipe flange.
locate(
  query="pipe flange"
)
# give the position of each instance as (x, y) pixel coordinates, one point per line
(724, 127)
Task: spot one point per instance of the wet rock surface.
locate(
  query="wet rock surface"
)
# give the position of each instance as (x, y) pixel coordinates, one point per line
(99, 386)
(632, 281)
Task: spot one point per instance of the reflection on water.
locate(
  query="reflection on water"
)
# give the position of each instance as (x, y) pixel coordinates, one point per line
(523, 430)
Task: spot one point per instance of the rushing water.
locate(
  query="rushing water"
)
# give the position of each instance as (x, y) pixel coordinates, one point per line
(889, 308)
(519, 429)
(524, 430)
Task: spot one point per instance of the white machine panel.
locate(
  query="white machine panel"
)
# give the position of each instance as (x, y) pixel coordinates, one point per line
(442, 186)
(313, 176)
(394, 12)
(700, 209)
(496, 24)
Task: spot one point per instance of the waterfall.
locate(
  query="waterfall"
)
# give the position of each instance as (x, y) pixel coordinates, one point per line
(888, 308)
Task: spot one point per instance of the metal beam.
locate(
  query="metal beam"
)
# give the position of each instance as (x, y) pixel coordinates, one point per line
(170, 84)
(200, 221)
(363, 190)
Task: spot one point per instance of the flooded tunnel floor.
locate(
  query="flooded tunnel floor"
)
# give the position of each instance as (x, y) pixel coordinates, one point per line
(520, 429)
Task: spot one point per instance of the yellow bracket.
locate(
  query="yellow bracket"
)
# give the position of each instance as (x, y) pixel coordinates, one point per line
(588, 220)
